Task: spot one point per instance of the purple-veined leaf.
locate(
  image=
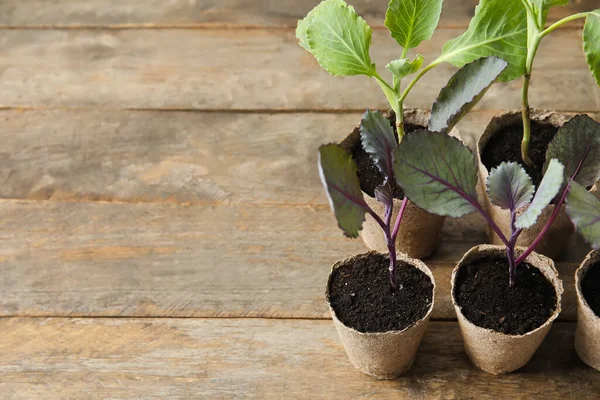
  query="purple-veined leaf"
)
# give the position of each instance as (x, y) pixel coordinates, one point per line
(509, 186)
(463, 91)
(384, 194)
(337, 170)
(584, 210)
(577, 146)
(437, 172)
(549, 187)
(377, 138)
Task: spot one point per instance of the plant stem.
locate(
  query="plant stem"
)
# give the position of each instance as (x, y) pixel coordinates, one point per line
(512, 266)
(532, 48)
(510, 250)
(399, 218)
(417, 78)
(562, 22)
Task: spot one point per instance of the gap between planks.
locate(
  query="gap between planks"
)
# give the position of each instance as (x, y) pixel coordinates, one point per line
(265, 111)
(212, 26)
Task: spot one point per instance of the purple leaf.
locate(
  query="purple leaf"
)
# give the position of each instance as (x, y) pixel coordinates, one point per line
(509, 186)
(463, 92)
(584, 210)
(438, 173)
(378, 140)
(337, 170)
(384, 194)
(548, 189)
(577, 145)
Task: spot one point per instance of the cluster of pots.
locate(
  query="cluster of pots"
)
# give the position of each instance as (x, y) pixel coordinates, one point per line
(387, 355)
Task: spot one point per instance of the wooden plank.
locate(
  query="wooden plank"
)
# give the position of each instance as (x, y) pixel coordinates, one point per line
(255, 69)
(179, 157)
(230, 13)
(109, 259)
(264, 359)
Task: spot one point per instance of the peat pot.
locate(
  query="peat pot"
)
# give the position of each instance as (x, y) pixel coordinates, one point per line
(490, 349)
(356, 284)
(587, 286)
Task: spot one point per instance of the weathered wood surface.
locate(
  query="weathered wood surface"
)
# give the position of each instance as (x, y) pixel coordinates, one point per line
(107, 259)
(263, 359)
(199, 13)
(176, 157)
(257, 69)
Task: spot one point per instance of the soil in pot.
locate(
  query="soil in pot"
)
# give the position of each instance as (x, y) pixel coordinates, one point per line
(590, 288)
(362, 298)
(485, 298)
(506, 146)
(368, 174)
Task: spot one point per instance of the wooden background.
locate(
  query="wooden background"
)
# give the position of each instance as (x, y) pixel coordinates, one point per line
(164, 232)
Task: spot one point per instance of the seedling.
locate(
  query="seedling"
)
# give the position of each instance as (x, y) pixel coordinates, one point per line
(536, 12)
(340, 41)
(338, 170)
(439, 174)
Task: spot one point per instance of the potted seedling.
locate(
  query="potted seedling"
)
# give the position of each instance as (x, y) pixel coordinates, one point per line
(584, 210)
(506, 297)
(524, 136)
(380, 303)
(340, 40)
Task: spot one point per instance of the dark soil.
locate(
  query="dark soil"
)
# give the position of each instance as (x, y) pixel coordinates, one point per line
(590, 288)
(368, 174)
(362, 298)
(483, 294)
(506, 146)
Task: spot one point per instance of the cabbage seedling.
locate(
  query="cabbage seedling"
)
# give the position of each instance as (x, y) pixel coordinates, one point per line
(340, 41)
(439, 174)
(536, 12)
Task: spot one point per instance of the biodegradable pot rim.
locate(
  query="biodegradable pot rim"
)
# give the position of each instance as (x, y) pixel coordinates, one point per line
(590, 259)
(550, 117)
(556, 284)
(413, 262)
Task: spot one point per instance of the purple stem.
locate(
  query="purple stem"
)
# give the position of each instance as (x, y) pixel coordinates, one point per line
(399, 218)
(546, 227)
(510, 249)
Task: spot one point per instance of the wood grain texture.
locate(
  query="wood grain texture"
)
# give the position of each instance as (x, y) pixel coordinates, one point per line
(257, 69)
(263, 359)
(175, 157)
(111, 259)
(198, 13)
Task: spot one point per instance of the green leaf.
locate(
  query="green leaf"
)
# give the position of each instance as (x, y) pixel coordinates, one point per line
(499, 28)
(437, 172)
(404, 66)
(338, 175)
(463, 92)
(549, 187)
(591, 43)
(378, 140)
(338, 38)
(302, 26)
(509, 186)
(412, 21)
(577, 146)
(584, 210)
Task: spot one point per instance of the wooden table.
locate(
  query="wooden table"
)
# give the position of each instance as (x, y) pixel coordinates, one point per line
(164, 231)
